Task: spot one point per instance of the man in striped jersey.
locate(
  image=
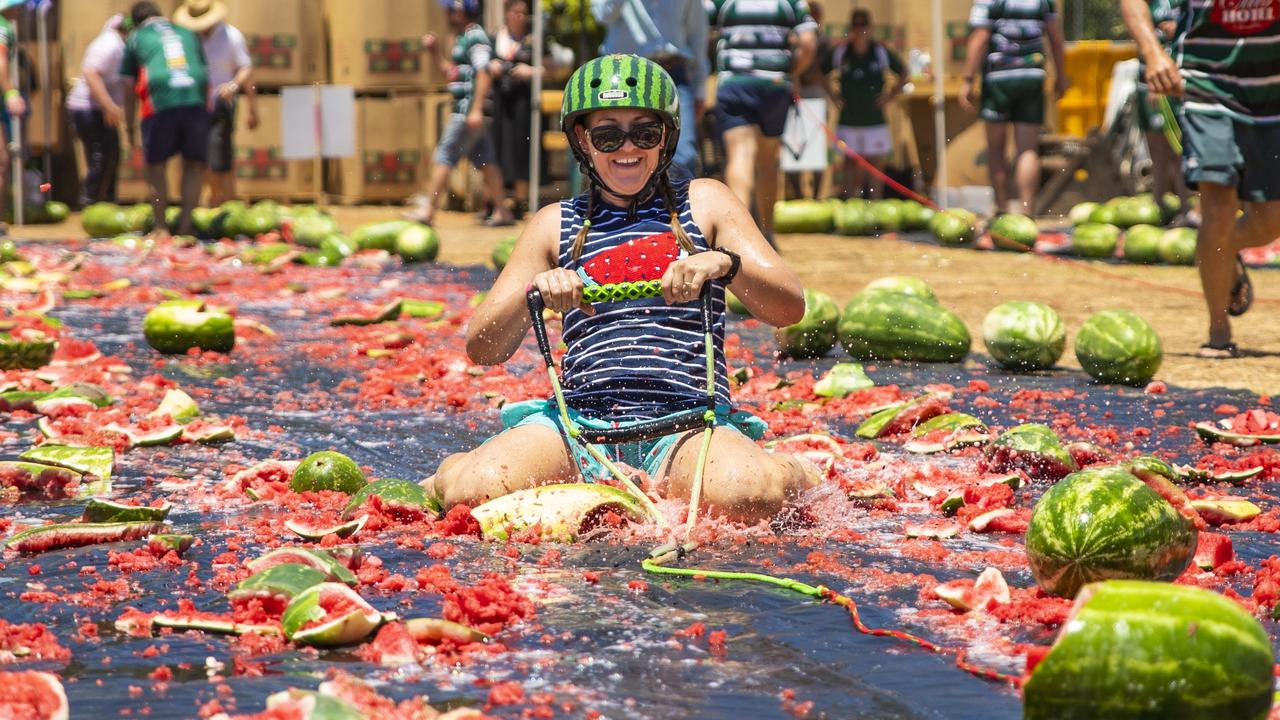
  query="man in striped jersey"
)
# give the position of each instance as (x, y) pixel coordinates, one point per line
(1007, 45)
(762, 45)
(465, 132)
(1227, 76)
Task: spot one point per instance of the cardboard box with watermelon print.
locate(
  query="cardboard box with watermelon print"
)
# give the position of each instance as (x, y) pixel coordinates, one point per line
(260, 170)
(390, 161)
(376, 45)
(286, 40)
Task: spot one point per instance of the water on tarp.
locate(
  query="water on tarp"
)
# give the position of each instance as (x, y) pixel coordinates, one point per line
(605, 646)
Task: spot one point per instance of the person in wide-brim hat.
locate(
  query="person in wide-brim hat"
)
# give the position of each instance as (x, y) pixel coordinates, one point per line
(200, 15)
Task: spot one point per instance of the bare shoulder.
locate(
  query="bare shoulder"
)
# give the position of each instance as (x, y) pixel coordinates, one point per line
(707, 190)
(543, 229)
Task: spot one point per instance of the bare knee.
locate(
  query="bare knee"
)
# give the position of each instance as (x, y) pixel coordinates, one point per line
(747, 492)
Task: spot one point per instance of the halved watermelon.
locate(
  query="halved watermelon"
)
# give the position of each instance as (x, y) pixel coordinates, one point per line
(397, 496)
(947, 432)
(109, 511)
(276, 586)
(932, 529)
(903, 417)
(329, 614)
(313, 558)
(307, 705)
(169, 542)
(68, 535)
(560, 513)
(96, 461)
(39, 478)
(1254, 427)
(1033, 448)
(316, 531)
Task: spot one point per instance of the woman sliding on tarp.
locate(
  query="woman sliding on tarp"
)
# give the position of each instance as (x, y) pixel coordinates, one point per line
(639, 392)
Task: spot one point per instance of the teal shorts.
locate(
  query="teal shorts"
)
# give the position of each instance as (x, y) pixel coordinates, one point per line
(646, 455)
(1219, 149)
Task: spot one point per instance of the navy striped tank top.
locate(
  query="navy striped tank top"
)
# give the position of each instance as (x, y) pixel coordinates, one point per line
(636, 359)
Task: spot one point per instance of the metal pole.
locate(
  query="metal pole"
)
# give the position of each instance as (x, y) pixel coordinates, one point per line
(46, 92)
(535, 109)
(15, 146)
(939, 109)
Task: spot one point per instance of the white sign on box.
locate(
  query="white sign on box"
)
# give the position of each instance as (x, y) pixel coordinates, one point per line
(804, 142)
(332, 109)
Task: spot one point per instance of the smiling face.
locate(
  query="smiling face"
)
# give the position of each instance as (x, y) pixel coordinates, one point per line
(626, 170)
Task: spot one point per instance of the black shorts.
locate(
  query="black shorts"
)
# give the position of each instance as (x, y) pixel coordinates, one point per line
(183, 130)
(222, 127)
(750, 102)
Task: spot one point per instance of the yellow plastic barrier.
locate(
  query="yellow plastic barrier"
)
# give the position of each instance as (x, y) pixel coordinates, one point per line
(1088, 68)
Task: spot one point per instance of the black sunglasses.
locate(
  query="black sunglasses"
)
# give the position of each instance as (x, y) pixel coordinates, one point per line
(611, 138)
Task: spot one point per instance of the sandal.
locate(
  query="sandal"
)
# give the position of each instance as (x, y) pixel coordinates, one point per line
(495, 221)
(1209, 351)
(1241, 292)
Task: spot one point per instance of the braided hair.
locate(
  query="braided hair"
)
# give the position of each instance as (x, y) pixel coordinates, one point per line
(664, 189)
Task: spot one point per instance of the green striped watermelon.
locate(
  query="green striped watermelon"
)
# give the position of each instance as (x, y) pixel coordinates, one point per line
(954, 227)
(1032, 448)
(1137, 649)
(1095, 240)
(1118, 346)
(815, 334)
(1177, 246)
(880, 325)
(1104, 523)
(1142, 244)
(854, 217)
(1014, 232)
(1023, 335)
(903, 284)
(803, 216)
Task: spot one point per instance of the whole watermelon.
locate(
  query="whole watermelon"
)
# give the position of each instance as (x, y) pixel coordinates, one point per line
(888, 215)
(954, 227)
(1013, 230)
(103, 220)
(379, 235)
(914, 215)
(1138, 211)
(1104, 213)
(501, 254)
(735, 304)
(1080, 214)
(1170, 206)
(1104, 523)
(880, 325)
(1095, 240)
(1142, 244)
(1117, 346)
(815, 334)
(854, 217)
(1024, 335)
(309, 228)
(1178, 246)
(1138, 649)
(802, 216)
(904, 285)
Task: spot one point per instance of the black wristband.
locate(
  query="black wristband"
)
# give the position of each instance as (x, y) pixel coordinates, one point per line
(735, 264)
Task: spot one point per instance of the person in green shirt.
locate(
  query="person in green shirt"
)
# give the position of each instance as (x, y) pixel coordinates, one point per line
(14, 106)
(862, 64)
(1007, 43)
(172, 93)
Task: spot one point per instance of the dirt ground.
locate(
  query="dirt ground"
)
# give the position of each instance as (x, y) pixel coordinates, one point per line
(970, 283)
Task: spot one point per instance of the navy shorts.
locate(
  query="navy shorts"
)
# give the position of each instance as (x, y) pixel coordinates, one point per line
(749, 102)
(183, 130)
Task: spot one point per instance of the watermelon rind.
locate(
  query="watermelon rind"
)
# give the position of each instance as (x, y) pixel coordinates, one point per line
(933, 531)
(209, 434)
(284, 582)
(311, 706)
(815, 334)
(979, 523)
(179, 406)
(171, 541)
(1136, 649)
(387, 313)
(560, 513)
(946, 432)
(394, 492)
(1210, 432)
(426, 309)
(31, 352)
(433, 630)
(315, 558)
(843, 378)
(166, 435)
(1104, 523)
(881, 325)
(1226, 510)
(1118, 346)
(32, 691)
(1233, 477)
(69, 535)
(1032, 447)
(947, 421)
(343, 629)
(109, 511)
(871, 428)
(1023, 335)
(39, 477)
(312, 531)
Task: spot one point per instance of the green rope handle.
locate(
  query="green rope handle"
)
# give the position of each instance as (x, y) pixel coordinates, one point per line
(616, 292)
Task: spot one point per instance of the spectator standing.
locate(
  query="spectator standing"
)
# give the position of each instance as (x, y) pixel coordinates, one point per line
(96, 105)
(762, 45)
(230, 72)
(813, 84)
(172, 90)
(1230, 119)
(673, 34)
(465, 133)
(1007, 44)
(14, 105)
(1166, 174)
(512, 69)
(862, 63)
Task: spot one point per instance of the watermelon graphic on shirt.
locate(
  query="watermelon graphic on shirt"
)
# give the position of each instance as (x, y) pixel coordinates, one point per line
(638, 259)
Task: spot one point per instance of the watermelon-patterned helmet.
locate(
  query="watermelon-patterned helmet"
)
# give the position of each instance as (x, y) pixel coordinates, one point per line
(621, 81)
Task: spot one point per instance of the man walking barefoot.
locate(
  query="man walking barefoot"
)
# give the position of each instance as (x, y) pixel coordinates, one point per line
(1007, 45)
(1230, 116)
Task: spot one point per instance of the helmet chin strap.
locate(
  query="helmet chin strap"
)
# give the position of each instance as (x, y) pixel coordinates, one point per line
(633, 199)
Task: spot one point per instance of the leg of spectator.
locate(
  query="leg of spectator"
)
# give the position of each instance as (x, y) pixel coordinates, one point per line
(1026, 140)
(997, 165)
(192, 184)
(767, 150)
(740, 163)
(158, 189)
(1216, 255)
(110, 165)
